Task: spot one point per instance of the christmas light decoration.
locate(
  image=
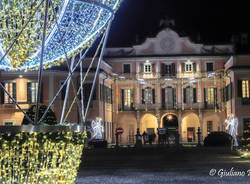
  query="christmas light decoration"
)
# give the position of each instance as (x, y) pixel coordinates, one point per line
(40, 155)
(72, 25)
(97, 129)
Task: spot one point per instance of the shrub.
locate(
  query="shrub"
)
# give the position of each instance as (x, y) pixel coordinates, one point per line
(98, 143)
(218, 139)
(50, 118)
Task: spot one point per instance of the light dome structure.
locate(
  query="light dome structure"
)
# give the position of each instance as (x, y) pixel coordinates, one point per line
(72, 25)
(39, 34)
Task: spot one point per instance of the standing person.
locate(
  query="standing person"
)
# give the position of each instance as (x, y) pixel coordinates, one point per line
(153, 137)
(138, 138)
(150, 138)
(159, 136)
(145, 137)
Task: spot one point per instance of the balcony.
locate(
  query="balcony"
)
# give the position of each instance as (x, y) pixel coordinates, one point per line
(152, 75)
(169, 106)
(143, 107)
(126, 108)
(245, 101)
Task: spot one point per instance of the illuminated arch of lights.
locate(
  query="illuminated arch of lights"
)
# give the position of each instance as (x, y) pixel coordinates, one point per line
(72, 26)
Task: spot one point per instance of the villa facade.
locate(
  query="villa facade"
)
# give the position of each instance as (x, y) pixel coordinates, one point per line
(166, 82)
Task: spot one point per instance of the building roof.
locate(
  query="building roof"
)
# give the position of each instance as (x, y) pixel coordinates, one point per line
(168, 42)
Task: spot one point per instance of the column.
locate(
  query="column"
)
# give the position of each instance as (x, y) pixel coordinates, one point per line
(201, 123)
(179, 124)
(138, 117)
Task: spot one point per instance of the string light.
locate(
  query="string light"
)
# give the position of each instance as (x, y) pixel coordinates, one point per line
(79, 24)
(40, 157)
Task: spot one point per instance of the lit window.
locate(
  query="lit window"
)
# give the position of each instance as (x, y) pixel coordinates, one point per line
(32, 89)
(128, 98)
(245, 89)
(188, 66)
(190, 95)
(148, 95)
(147, 67)
(11, 89)
(210, 95)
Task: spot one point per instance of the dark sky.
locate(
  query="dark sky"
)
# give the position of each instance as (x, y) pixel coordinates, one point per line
(215, 20)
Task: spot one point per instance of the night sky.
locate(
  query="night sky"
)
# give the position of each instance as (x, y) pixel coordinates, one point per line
(214, 20)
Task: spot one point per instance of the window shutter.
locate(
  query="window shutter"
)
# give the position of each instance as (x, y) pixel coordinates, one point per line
(194, 67)
(183, 67)
(153, 94)
(2, 94)
(163, 97)
(153, 68)
(122, 98)
(215, 96)
(29, 92)
(173, 69)
(222, 95)
(142, 96)
(174, 96)
(163, 69)
(205, 97)
(194, 95)
(141, 68)
(63, 92)
(14, 90)
(184, 95)
(111, 96)
(240, 88)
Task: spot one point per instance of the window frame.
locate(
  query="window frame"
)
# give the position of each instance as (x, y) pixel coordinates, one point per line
(130, 68)
(147, 68)
(207, 66)
(245, 89)
(32, 82)
(128, 98)
(210, 96)
(9, 101)
(188, 67)
(149, 95)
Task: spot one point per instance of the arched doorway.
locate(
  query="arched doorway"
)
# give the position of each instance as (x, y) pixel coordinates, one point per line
(149, 124)
(170, 121)
(170, 125)
(189, 128)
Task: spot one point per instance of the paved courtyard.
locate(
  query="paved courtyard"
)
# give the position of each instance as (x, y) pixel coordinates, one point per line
(162, 165)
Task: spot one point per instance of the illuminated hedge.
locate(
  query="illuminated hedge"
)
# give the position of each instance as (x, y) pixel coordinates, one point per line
(36, 157)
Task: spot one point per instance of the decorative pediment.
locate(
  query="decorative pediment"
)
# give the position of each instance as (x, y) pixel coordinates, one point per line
(168, 42)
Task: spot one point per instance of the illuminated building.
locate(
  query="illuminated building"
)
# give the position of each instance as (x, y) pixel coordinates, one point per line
(167, 81)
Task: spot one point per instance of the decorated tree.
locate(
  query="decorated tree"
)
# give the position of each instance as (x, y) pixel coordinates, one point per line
(49, 119)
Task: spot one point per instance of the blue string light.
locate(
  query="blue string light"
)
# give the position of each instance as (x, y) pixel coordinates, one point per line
(79, 23)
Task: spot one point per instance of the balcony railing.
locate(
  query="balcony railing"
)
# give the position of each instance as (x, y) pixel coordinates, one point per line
(245, 101)
(126, 108)
(175, 106)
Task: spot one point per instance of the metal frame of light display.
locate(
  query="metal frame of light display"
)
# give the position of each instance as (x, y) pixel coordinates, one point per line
(38, 152)
(75, 24)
